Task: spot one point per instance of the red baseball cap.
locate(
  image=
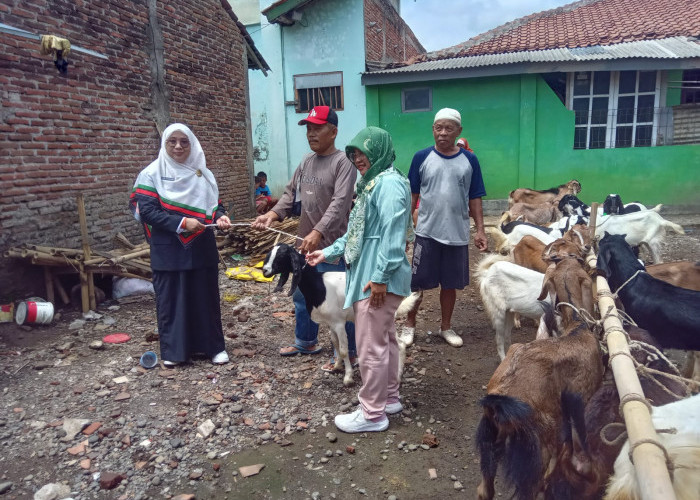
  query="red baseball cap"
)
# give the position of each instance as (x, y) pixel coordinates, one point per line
(320, 115)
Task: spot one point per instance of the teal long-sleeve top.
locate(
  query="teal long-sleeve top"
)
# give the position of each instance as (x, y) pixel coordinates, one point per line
(383, 256)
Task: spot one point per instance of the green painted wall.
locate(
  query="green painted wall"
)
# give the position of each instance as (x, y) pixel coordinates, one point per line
(523, 136)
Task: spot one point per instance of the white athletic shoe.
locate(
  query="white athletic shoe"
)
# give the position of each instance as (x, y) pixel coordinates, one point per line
(356, 422)
(393, 408)
(220, 359)
(451, 337)
(407, 334)
(170, 364)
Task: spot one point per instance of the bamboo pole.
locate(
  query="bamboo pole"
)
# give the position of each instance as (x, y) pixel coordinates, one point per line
(87, 285)
(117, 260)
(48, 280)
(61, 291)
(649, 460)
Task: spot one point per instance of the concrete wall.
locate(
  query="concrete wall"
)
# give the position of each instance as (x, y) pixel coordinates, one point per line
(94, 129)
(328, 38)
(523, 136)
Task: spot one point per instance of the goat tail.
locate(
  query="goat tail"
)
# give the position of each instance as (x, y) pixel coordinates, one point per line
(499, 238)
(410, 303)
(657, 208)
(510, 419)
(486, 262)
(677, 228)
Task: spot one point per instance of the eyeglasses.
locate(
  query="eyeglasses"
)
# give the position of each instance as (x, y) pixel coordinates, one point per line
(174, 142)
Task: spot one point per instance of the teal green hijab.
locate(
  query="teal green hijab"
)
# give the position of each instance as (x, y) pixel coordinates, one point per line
(377, 145)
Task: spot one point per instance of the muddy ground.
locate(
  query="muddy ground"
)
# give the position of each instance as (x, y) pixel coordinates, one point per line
(264, 409)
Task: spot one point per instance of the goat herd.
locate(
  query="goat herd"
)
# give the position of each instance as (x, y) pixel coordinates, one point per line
(551, 404)
(552, 408)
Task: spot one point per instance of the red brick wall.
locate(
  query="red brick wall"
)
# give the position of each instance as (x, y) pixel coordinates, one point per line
(388, 38)
(93, 130)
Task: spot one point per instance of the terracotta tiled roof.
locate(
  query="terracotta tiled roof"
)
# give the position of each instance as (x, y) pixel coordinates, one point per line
(582, 24)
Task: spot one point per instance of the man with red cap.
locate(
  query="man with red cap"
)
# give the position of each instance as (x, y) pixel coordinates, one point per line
(324, 182)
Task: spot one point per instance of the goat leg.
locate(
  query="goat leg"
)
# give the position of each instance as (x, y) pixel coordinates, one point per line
(340, 342)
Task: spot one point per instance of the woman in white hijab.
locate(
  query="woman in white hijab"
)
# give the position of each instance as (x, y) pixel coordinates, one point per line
(175, 197)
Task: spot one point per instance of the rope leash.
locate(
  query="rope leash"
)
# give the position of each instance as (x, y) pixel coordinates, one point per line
(266, 228)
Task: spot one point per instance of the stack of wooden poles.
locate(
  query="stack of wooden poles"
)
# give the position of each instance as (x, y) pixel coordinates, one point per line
(133, 261)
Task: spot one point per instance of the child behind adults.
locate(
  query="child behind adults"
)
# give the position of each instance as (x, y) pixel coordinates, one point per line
(263, 196)
(378, 275)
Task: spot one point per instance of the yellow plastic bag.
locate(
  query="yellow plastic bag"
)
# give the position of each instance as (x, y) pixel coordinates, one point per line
(247, 273)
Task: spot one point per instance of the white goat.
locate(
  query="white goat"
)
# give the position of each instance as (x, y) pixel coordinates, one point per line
(646, 227)
(325, 297)
(683, 447)
(507, 289)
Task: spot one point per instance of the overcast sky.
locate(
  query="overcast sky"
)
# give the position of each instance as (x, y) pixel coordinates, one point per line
(442, 23)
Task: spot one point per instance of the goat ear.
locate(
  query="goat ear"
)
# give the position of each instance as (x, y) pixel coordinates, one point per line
(280, 283)
(296, 272)
(603, 262)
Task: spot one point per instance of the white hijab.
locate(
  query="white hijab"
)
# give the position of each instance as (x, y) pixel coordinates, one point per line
(188, 189)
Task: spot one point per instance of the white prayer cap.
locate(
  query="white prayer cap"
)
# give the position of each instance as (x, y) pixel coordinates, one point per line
(449, 114)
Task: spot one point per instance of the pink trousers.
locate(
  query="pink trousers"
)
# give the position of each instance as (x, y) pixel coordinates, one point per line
(378, 352)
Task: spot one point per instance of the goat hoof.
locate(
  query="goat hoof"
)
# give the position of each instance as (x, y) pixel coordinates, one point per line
(347, 382)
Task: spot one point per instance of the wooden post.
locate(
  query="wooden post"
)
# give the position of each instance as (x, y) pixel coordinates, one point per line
(649, 459)
(87, 284)
(48, 280)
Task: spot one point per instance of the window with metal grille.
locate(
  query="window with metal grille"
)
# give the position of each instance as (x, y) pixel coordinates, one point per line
(690, 86)
(318, 89)
(614, 109)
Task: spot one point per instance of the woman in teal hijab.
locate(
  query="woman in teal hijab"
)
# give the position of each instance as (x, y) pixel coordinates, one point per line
(378, 275)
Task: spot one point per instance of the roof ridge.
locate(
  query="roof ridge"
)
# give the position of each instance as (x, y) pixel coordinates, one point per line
(510, 25)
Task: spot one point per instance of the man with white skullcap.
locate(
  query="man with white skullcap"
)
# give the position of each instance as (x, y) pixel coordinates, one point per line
(448, 180)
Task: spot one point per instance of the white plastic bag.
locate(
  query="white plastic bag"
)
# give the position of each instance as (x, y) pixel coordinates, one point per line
(123, 287)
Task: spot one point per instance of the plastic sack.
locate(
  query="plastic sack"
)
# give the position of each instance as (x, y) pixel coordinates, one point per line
(123, 287)
(247, 273)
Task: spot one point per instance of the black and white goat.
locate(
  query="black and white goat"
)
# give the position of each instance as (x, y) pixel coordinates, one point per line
(669, 313)
(324, 294)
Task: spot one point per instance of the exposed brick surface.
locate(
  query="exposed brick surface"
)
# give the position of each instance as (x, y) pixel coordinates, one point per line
(92, 130)
(388, 39)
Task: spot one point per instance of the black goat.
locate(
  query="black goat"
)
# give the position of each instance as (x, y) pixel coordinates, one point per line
(670, 314)
(324, 294)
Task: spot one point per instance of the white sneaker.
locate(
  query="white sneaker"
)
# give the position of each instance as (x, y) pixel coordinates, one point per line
(451, 337)
(220, 359)
(170, 364)
(407, 334)
(393, 408)
(356, 422)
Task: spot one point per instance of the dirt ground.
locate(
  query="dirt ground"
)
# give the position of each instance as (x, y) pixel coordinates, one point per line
(265, 409)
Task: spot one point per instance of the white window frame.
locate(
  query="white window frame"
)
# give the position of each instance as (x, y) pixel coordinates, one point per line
(613, 96)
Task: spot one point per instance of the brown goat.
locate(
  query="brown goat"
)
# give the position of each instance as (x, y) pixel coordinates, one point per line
(683, 273)
(526, 195)
(523, 410)
(602, 409)
(567, 281)
(528, 253)
(536, 213)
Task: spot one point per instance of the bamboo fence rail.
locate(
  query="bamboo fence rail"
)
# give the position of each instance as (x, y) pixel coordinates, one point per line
(648, 455)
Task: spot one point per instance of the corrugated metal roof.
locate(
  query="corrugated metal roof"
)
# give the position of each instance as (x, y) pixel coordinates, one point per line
(680, 47)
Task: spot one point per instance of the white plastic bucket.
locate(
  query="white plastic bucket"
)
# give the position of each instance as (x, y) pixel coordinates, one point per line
(34, 312)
